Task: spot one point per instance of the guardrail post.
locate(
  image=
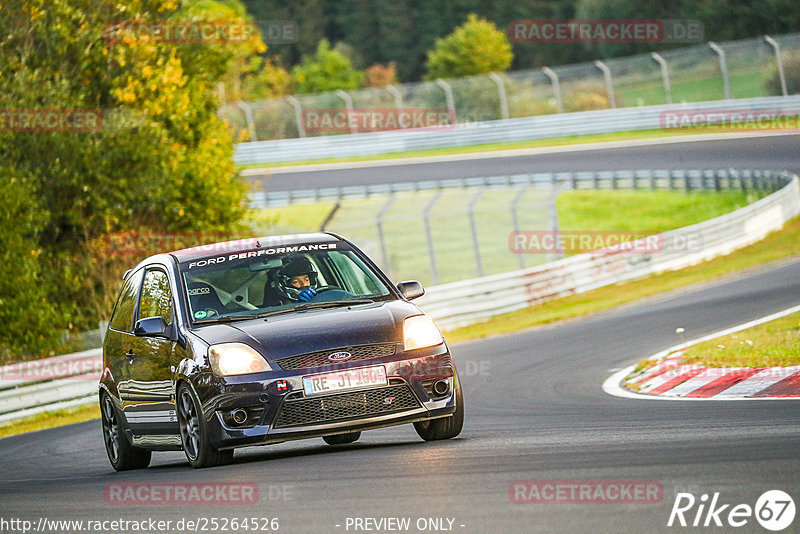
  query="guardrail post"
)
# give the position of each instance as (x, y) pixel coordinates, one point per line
(552, 217)
(664, 75)
(723, 67)
(556, 87)
(515, 221)
(248, 116)
(448, 95)
(381, 238)
(474, 229)
(779, 60)
(298, 115)
(501, 94)
(348, 104)
(398, 97)
(429, 236)
(612, 103)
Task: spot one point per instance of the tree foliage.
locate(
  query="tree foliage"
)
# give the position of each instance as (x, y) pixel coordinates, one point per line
(160, 160)
(476, 47)
(326, 70)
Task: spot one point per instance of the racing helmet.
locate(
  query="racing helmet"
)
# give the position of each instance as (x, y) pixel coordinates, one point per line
(294, 266)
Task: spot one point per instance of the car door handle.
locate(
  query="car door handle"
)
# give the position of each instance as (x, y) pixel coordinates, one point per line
(130, 354)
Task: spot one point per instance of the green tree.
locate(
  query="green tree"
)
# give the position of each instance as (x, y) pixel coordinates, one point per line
(476, 47)
(26, 311)
(159, 160)
(326, 70)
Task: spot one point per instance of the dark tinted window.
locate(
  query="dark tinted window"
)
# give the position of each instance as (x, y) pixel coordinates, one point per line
(123, 311)
(156, 296)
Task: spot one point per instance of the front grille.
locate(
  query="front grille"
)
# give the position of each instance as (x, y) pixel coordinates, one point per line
(320, 358)
(357, 404)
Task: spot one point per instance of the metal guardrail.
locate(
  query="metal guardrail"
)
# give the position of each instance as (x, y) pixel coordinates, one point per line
(652, 179)
(461, 303)
(32, 387)
(499, 131)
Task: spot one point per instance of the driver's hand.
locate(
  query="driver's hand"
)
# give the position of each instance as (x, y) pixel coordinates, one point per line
(307, 294)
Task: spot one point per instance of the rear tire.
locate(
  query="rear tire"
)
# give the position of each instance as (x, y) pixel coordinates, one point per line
(444, 427)
(342, 439)
(122, 455)
(194, 433)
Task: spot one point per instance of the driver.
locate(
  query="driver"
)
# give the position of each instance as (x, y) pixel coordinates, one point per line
(296, 278)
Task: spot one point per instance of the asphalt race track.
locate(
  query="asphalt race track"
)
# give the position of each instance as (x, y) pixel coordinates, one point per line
(535, 411)
(770, 152)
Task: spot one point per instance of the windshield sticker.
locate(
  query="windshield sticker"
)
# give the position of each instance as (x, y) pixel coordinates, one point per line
(200, 314)
(200, 291)
(262, 252)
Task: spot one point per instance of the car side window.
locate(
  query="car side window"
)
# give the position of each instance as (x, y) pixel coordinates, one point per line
(156, 296)
(122, 320)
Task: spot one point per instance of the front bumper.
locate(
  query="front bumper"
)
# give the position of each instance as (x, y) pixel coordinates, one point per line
(278, 409)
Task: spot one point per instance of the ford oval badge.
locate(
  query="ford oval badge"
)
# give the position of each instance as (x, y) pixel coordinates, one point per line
(340, 356)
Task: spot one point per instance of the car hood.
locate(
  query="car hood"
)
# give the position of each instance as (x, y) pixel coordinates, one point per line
(305, 331)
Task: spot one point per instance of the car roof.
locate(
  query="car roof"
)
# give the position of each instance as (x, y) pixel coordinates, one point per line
(254, 243)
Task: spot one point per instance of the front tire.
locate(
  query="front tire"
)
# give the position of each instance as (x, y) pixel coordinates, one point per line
(194, 433)
(342, 439)
(444, 427)
(122, 455)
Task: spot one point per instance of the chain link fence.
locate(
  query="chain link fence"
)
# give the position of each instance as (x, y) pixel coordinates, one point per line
(712, 71)
(451, 230)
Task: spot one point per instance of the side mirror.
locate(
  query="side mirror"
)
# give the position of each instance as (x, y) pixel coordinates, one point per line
(411, 289)
(151, 327)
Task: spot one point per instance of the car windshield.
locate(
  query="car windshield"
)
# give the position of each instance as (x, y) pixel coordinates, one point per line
(237, 285)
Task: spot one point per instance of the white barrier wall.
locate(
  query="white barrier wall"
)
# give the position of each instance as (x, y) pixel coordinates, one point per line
(469, 301)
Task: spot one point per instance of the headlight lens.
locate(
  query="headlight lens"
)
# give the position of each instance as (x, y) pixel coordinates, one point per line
(419, 332)
(236, 359)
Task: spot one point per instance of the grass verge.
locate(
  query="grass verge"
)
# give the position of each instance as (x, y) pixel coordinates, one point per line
(65, 416)
(778, 245)
(772, 344)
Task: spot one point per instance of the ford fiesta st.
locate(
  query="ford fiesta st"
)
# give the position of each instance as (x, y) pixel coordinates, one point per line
(266, 340)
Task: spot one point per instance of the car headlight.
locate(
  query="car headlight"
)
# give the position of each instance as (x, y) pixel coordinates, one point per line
(419, 331)
(236, 359)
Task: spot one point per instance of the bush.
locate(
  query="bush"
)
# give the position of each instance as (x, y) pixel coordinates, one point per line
(476, 47)
(27, 304)
(587, 100)
(326, 70)
(791, 70)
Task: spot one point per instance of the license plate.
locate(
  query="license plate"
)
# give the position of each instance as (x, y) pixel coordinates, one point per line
(343, 380)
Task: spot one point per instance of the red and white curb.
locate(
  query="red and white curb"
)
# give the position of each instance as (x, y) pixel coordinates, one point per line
(669, 379)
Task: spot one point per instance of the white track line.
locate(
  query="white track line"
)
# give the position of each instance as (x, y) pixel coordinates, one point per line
(612, 384)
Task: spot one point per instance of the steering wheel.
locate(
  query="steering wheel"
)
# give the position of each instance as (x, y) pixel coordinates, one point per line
(320, 289)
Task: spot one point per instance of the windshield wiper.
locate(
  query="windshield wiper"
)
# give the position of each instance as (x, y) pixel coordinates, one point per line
(332, 304)
(230, 318)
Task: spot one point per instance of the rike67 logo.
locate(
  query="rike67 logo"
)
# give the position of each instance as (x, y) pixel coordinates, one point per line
(774, 510)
